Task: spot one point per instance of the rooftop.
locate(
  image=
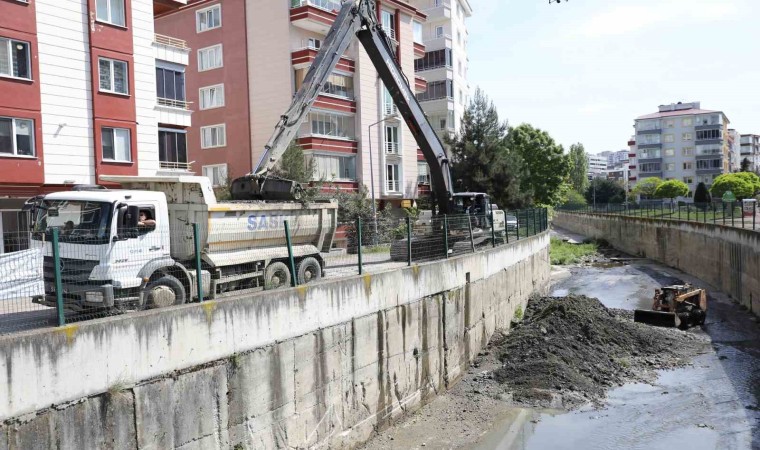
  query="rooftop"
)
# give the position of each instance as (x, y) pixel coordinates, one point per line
(684, 112)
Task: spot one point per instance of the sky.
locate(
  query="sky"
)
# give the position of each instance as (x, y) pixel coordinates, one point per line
(583, 70)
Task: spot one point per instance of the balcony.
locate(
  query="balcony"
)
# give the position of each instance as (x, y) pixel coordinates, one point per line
(392, 186)
(440, 12)
(314, 15)
(171, 49)
(392, 148)
(174, 167)
(438, 42)
(420, 85)
(173, 112)
(419, 50)
(302, 58)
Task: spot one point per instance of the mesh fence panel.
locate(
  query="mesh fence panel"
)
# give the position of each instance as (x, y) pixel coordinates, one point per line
(93, 272)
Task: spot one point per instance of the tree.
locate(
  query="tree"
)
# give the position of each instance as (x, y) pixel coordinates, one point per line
(293, 165)
(738, 185)
(604, 191)
(481, 159)
(574, 200)
(647, 187)
(545, 167)
(745, 165)
(752, 178)
(671, 189)
(701, 194)
(578, 167)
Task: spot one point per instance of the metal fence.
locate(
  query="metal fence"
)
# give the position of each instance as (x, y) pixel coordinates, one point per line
(68, 274)
(735, 214)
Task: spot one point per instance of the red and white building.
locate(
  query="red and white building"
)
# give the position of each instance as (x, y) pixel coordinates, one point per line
(248, 61)
(78, 95)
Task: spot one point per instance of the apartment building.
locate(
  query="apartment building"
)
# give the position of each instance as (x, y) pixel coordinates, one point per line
(749, 149)
(77, 95)
(682, 142)
(248, 61)
(617, 159)
(445, 62)
(597, 164)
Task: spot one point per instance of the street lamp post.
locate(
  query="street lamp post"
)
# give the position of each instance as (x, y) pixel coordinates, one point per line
(372, 171)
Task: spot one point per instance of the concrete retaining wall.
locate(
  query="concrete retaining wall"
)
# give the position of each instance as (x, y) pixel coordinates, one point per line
(726, 257)
(317, 366)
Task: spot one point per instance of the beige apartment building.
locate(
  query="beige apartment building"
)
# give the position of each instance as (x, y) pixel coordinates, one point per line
(249, 58)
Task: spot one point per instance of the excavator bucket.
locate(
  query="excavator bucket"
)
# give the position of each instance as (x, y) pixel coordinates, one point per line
(656, 318)
(254, 187)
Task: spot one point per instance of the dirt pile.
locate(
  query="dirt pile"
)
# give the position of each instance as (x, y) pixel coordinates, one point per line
(570, 350)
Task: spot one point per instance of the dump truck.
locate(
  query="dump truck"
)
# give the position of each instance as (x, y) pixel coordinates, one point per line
(136, 246)
(681, 306)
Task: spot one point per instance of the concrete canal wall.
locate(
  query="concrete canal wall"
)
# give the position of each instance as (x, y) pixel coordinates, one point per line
(726, 257)
(317, 366)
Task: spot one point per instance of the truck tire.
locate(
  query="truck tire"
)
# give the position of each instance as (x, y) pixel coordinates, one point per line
(276, 275)
(309, 270)
(165, 291)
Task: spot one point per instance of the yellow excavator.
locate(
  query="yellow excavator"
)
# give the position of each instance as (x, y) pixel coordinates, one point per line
(681, 306)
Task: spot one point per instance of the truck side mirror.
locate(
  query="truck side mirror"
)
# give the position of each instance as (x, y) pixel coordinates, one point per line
(132, 217)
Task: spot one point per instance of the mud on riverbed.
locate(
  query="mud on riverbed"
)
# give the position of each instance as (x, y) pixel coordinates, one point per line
(568, 351)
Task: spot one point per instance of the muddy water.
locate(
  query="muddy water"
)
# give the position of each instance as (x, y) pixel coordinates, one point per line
(712, 404)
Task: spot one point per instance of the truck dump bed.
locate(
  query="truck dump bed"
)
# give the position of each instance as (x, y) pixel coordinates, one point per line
(237, 232)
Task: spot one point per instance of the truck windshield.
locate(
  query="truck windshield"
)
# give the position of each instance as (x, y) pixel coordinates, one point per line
(78, 221)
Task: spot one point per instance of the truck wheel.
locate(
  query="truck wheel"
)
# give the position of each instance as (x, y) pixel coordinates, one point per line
(309, 270)
(166, 291)
(276, 275)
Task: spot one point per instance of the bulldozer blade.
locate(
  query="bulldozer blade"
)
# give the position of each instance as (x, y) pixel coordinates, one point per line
(656, 318)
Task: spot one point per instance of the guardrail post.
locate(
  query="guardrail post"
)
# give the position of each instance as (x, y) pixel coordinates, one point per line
(493, 230)
(713, 211)
(58, 282)
(359, 242)
(469, 226)
(732, 214)
(688, 213)
(517, 224)
(409, 240)
(198, 273)
(754, 214)
(742, 212)
(446, 234)
(291, 260)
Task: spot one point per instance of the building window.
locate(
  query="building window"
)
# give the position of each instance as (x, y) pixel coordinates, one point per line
(334, 167)
(709, 149)
(670, 167)
(333, 125)
(392, 178)
(647, 125)
(210, 58)
(709, 134)
(170, 84)
(670, 123)
(668, 138)
(213, 136)
(110, 11)
(687, 122)
(172, 149)
(14, 59)
(434, 60)
(208, 18)
(646, 139)
(688, 180)
(114, 77)
(423, 173)
(389, 23)
(417, 32)
(705, 164)
(650, 153)
(687, 151)
(688, 166)
(670, 152)
(314, 43)
(714, 119)
(211, 96)
(339, 85)
(116, 144)
(217, 173)
(438, 32)
(686, 136)
(389, 106)
(16, 137)
(391, 144)
(437, 90)
(650, 167)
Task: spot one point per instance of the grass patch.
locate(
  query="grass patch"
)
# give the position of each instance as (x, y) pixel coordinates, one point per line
(563, 253)
(376, 249)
